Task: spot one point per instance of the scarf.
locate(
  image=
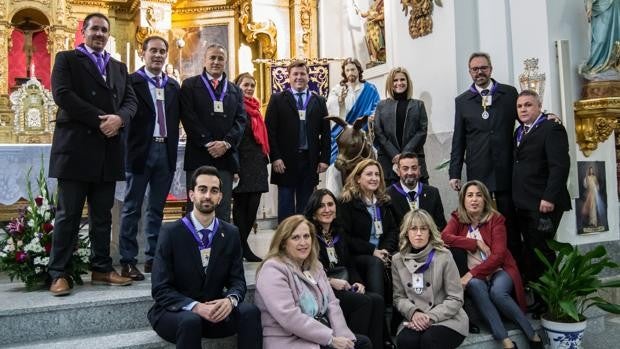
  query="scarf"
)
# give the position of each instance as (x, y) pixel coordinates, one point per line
(259, 129)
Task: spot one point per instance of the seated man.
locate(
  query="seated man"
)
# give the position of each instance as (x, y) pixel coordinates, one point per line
(410, 194)
(198, 281)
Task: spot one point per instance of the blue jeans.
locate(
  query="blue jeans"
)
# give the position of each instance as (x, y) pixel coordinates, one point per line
(491, 296)
(158, 177)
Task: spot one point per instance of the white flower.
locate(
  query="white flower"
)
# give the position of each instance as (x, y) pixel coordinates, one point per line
(10, 241)
(2, 254)
(47, 215)
(34, 246)
(20, 243)
(31, 223)
(38, 270)
(9, 248)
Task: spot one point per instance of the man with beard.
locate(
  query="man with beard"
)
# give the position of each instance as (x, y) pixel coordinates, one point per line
(410, 194)
(299, 141)
(214, 118)
(484, 121)
(198, 282)
(353, 98)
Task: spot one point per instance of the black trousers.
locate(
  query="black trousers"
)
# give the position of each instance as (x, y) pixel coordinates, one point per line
(71, 198)
(505, 206)
(372, 271)
(363, 313)
(361, 342)
(438, 337)
(532, 267)
(187, 329)
(245, 207)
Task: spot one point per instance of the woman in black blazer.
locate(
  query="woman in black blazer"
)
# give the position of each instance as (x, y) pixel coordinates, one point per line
(400, 124)
(367, 220)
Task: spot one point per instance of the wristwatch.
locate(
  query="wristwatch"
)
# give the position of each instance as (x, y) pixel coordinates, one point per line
(233, 300)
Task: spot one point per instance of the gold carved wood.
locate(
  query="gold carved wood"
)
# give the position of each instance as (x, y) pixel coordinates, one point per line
(421, 19)
(597, 114)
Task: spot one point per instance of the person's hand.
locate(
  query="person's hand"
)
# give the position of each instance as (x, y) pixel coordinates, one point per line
(278, 166)
(455, 184)
(322, 167)
(339, 284)
(203, 311)
(483, 247)
(395, 158)
(110, 124)
(554, 118)
(217, 148)
(220, 309)
(420, 321)
(342, 343)
(381, 254)
(359, 288)
(546, 206)
(465, 279)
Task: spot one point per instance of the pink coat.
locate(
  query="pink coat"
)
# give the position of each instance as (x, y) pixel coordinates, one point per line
(284, 325)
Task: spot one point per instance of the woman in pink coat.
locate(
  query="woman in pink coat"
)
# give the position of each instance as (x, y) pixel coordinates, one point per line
(297, 304)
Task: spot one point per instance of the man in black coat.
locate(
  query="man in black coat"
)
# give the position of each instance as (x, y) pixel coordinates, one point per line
(483, 125)
(410, 194)
(299, 141)
(95, 101)
(214, 118)
(198, 282)
(540, 172)
(151, 154)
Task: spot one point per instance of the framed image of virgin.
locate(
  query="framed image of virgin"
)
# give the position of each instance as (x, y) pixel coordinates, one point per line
(591, 206)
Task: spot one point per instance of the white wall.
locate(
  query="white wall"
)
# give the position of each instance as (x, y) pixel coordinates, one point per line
(277, 11)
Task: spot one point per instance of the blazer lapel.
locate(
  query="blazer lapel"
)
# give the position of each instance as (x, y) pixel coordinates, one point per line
(143, 91)
(216, 248)
(291, 99)
(90, 67)
(169, 92)
(423, 198)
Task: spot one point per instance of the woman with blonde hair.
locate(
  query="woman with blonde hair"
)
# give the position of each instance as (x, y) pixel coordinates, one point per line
(427, 291)
(297, 304)
(492, 275)
(400, 124)
(366, 218)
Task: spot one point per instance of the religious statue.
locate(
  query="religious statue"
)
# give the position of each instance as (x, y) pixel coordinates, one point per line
(421, 20)
(604, 60)
(375, 31)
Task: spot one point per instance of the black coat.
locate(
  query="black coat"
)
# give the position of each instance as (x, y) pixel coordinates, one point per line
(282, 122)
(484, 145)
(342, 252)
(430, 201)
(178, 277)
(203, 125)
(253, 175)
(541, 167)
(142, 125)
(414, 134)
(80, 151)
(357, 223)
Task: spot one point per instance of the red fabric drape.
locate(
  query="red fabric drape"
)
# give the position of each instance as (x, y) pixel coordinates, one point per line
(41, 58)
(79, 38)
(17, 58)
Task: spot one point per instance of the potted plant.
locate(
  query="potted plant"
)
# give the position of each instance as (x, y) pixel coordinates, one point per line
(569, 286)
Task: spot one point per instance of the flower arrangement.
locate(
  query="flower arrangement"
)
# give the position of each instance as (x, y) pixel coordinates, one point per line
(26, 243)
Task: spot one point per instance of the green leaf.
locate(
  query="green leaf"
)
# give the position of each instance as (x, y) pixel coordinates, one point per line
(570, 309)
(609, 307)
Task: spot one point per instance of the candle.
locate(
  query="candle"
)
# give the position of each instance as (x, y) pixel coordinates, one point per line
(128, 54)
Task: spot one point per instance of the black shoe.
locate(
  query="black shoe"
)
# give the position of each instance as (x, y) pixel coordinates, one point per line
(132, 272)
(148, 266)
(537, 345)
(251, 257)
(514, 345)
(389, 345)
(473, 328)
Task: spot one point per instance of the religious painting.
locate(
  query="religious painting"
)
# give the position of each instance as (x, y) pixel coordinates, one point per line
(319, 78)
(190, 61)
(591, 206)
(372, 15)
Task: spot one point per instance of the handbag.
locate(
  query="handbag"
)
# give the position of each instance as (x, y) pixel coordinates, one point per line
(322, 318)
(338, 273)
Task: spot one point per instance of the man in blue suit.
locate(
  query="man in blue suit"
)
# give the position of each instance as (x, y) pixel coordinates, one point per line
(198, 282)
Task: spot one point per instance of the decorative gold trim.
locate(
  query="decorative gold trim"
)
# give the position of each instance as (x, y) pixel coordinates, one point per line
(305, 15)
(265, 33)
(421, 20)
(595, 120)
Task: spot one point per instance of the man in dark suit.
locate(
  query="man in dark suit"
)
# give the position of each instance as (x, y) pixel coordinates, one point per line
(299, 140)
(483, 125)
(540, 172)
(95, 101)
(411, 194)
(198, 281)
(214, 118)
(151, 154)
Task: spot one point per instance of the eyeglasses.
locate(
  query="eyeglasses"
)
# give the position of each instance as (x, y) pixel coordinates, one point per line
(477, 69)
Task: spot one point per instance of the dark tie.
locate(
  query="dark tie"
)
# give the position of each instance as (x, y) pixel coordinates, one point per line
(526, 129)
(484, 92)
(300, 101)
(412, 195)
(215, 83)
(100, 63)
(161, 118)
(205, 235)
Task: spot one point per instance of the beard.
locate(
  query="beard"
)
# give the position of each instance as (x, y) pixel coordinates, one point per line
(352, 78)
(410, 181)
(206, 209)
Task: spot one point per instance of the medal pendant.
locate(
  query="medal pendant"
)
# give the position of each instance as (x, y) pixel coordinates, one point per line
(378, 228)
(302, 115)
(418, 290)
(159, 94)
(204, 256)
(218, 106)
(485, 115)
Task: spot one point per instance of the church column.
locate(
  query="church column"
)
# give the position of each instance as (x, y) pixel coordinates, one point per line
(5, 34)
(304, 28)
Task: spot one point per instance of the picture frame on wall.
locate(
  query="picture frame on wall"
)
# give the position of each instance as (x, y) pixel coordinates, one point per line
(591, 206)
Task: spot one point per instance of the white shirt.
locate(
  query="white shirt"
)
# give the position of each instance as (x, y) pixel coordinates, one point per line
(152, 88)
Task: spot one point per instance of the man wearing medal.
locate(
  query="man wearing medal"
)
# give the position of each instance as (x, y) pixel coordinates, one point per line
(151, 154)
(214, 118)
(95, 101)
(299, 140)
(484, 122)
(198, 281)
(410, 194)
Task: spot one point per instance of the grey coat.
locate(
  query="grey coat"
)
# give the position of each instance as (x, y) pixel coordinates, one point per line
(414, 134)
(442, 295)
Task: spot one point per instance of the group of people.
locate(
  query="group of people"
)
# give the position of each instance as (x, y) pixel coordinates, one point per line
(336, 259)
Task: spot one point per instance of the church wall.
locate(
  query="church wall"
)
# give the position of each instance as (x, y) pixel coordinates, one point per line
(278, 12)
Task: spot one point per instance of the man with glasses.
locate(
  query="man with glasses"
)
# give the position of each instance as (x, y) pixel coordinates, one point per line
(484, 122)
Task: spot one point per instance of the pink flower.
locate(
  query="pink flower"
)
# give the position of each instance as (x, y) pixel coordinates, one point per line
(38, 200)
(47, 227)
(20, 256)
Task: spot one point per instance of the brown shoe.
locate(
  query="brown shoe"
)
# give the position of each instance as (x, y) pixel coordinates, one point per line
(132, 272)
(148, 266)
(110, 278)
(60, 287)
